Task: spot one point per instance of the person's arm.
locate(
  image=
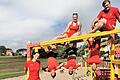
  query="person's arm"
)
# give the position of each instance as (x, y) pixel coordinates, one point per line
(94, 22)
(26, 67)
(60, 65)
(117, 14)
(78, 65)
(45, 69)
(67, 27)
(119, 19)
(96, 19)
(80, 25)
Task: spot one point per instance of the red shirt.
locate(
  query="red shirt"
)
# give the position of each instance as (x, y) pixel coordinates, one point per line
(72, 29)
(33, 68)
(94, 47)
(52, 64)
(111, 17)
(71, 62)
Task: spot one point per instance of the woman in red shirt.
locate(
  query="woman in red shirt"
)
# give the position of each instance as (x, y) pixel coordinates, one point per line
(73, 28)
(33, 67)
(52, 64)
(94, 49)
(71, 60)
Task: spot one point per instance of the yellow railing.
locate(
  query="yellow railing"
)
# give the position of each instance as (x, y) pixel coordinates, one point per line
(83, 37)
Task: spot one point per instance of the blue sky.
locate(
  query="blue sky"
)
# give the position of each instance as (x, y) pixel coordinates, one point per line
(40, 20)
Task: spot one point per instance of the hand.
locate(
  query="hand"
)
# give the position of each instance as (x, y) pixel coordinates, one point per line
(62, 34)
(92, 26)
(114, 26)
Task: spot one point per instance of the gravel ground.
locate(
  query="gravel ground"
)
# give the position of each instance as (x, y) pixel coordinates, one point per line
(59, 76)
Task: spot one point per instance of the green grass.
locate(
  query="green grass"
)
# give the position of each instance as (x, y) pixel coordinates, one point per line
(14, 66)
(11, 66)
(11, 74)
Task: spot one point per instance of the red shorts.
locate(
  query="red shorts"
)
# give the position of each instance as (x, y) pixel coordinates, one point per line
(70, 33)
(109, 26)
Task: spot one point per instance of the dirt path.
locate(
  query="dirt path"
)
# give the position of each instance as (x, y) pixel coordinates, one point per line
(59, 76)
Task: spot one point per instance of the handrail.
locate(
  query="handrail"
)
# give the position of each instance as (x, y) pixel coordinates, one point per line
(84, 36)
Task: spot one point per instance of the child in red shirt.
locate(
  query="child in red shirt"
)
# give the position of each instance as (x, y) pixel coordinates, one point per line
(33, 67)
(94, 47)
(52, 64)
(71, 60)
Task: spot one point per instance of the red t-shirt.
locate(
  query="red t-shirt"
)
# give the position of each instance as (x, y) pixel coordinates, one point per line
(71, 62)
(52, 64)
(94, 47)
(111, 17)
(33, 68)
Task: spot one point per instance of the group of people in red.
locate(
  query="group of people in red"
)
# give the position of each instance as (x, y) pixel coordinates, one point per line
(53, 64)
(105, 21)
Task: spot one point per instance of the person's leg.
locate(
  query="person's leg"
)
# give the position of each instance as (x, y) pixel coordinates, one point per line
(78, 65)
(75, 42)
(76, 34)
(45, 68)
(101, 23)
(61, 36)
(94, 66)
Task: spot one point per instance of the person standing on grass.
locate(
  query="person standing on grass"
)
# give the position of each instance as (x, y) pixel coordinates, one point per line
(33, 67)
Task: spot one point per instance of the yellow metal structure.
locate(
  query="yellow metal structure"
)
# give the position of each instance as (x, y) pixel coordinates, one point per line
(85, 36)
(91, 74)
(85, 69)
(112, 72)
(36, 48)
(82, 37)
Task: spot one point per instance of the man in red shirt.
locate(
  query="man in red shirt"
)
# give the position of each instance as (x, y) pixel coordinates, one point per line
(106, 19)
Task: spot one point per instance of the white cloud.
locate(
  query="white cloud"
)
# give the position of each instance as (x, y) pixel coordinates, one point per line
(25, 26)
(6, 14)
(37, 20)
